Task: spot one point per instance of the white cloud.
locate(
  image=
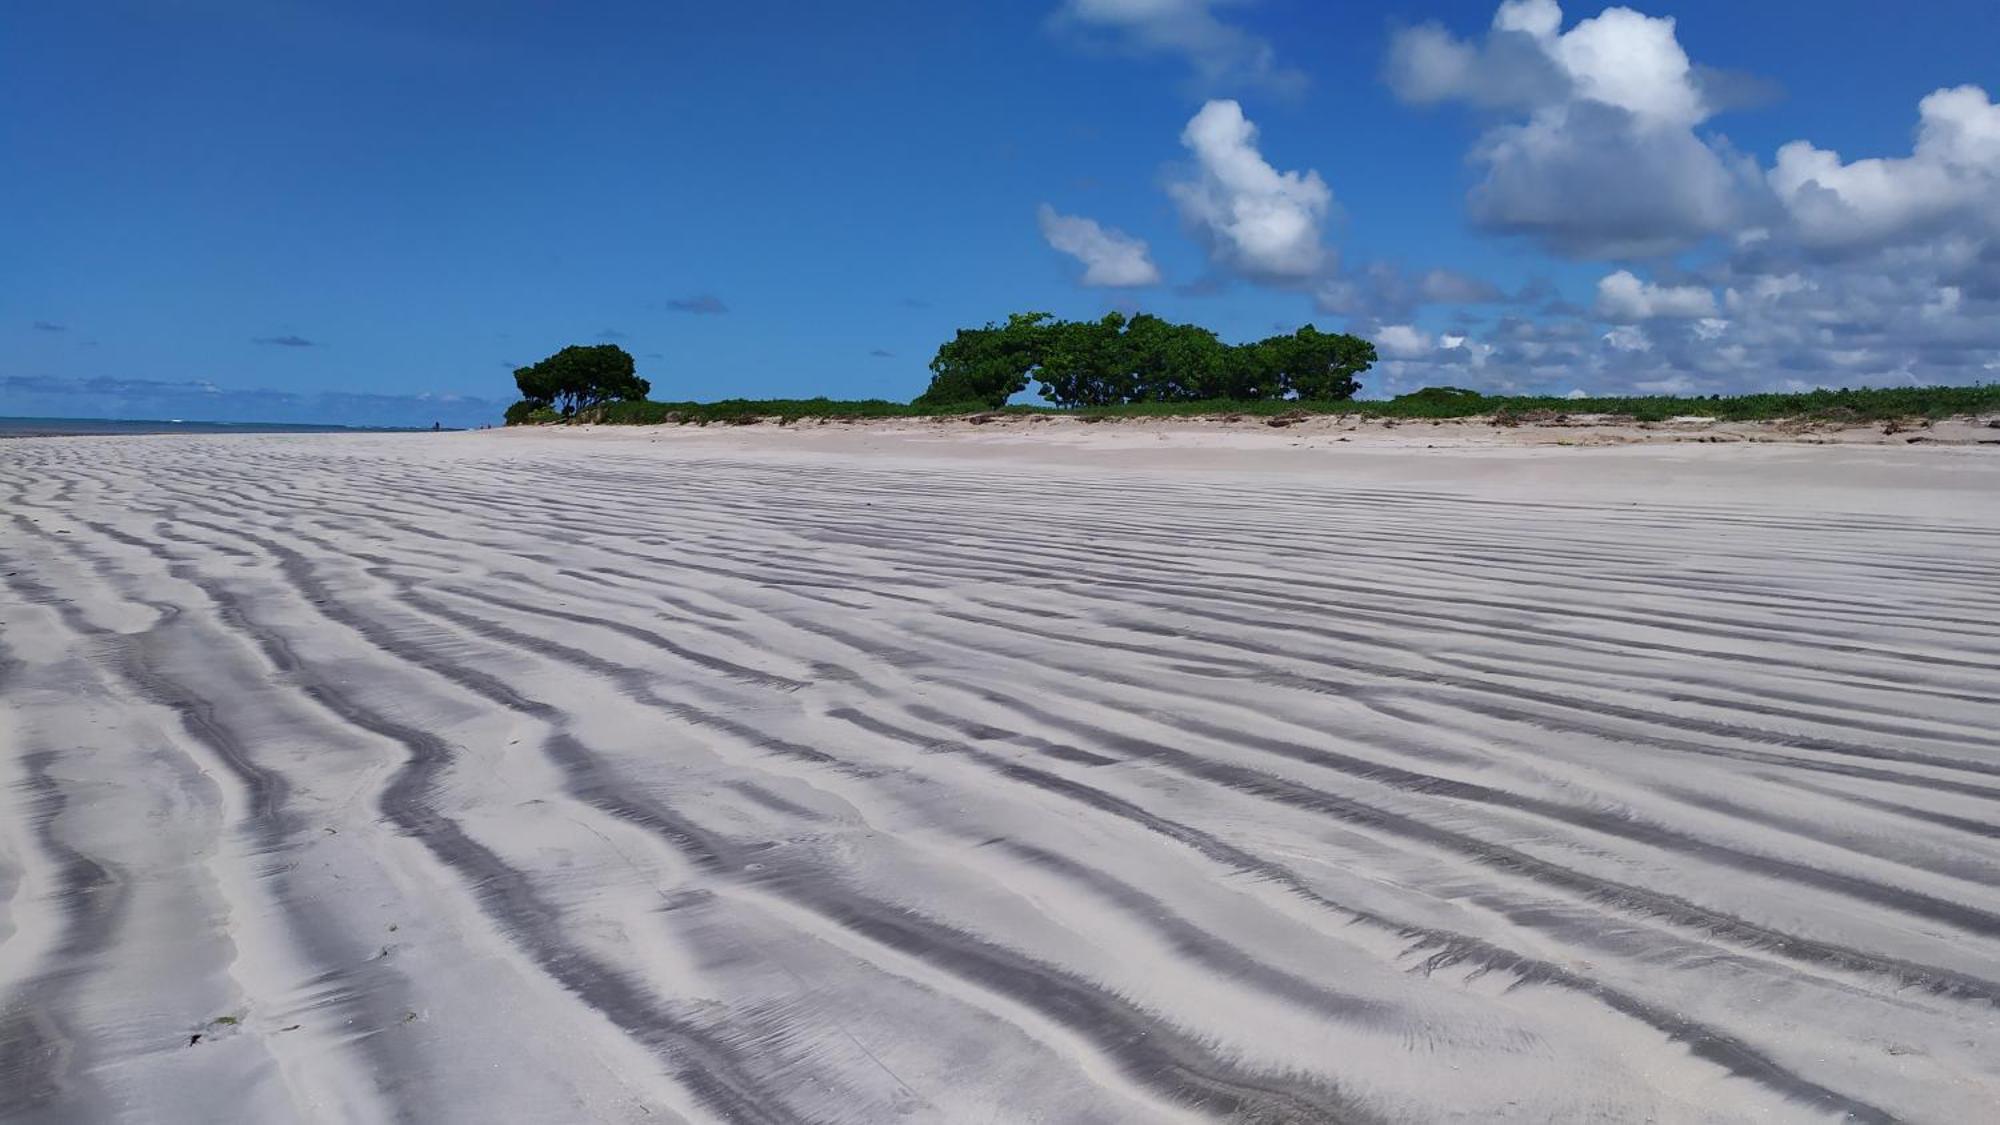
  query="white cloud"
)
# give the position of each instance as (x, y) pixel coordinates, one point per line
(1606, 162)
(1872, 322)
(1619, 58)
(1765, 290)
(1603, 157)
(1628, 60)
(1872, 270)
(1622, 296)
(1403, 341)
(1463, 351)
(1946, 306)
(1255, 219)
(1628, 338)
(1385, 292)
(1220, 52)
(1822, 270)
(1511, 69)
(1110, 257)
(1952, 176)
(1539, 19)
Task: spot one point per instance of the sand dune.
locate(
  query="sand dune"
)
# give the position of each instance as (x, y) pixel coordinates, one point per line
(866, 776)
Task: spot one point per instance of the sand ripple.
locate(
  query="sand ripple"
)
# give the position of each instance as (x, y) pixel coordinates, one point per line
(493, 778)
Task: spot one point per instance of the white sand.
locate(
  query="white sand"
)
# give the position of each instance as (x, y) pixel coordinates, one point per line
(1033, 772)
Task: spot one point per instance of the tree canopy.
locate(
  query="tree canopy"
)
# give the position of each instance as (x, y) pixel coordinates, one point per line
(986, 366)
(578, 376)
(1142, 358)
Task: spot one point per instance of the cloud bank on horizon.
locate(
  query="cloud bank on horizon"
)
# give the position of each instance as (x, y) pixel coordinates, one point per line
(1723, 272)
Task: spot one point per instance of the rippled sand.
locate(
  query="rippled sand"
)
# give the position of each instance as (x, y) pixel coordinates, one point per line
(866, 776)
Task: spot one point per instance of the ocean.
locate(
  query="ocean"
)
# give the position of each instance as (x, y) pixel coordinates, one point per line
(56, 427)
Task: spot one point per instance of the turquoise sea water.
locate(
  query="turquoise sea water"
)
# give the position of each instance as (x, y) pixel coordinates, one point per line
(52, 427)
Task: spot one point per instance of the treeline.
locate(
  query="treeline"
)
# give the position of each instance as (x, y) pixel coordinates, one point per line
(1145, 366)
(1829, 407)
(1119, 361)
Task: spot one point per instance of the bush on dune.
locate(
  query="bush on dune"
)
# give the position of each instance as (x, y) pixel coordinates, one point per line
(527, 413)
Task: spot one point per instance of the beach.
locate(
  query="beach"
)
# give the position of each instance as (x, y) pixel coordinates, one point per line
(1017, 772)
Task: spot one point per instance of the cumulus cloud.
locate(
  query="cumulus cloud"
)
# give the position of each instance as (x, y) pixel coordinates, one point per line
(1605, 162)
(1882, 270)
(1384, 292)
(1628, 338)
(1220, 52)
(1110, 257)
(1450, 287)
(1588, 181)
(1951, 179)
(1256, 220)
(702, 304)
(1818, 268)
(1403, 341)
(1623, 297)
(1511, 69)
(1602, 153)
(1843, 323)
(1765, 290)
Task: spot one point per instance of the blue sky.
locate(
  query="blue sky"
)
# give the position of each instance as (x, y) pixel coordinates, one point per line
(371, 212)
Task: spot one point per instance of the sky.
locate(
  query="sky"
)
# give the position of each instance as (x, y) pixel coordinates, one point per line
(372, 212)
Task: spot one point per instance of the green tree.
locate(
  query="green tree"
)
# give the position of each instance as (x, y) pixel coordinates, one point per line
(1175, 362)
(579, 376)
(1088, 363)
(987, 366)
(1315, 366)
(1116, 360)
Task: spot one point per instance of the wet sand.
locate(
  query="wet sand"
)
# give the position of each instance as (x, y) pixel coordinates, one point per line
(1094, 774)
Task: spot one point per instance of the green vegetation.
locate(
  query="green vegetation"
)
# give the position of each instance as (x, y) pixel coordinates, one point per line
(1119, 361)
(744, 410)
(1144, 366)
(576, 377)
(1857, 406)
